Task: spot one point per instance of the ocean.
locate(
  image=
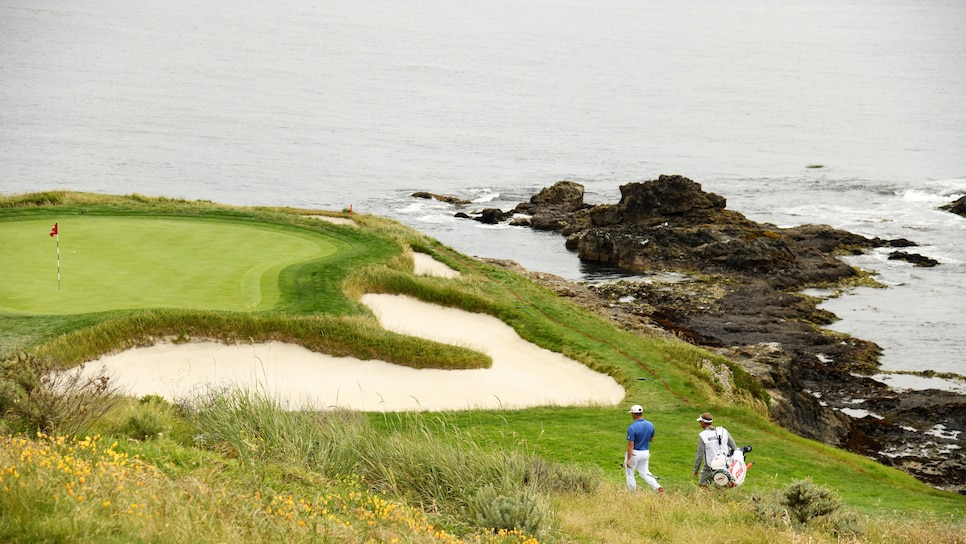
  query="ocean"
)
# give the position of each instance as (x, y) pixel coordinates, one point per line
(337, 104)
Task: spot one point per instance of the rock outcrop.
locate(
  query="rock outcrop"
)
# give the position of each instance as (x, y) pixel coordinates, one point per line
(958, 207)
(442, 198)
(552, 207)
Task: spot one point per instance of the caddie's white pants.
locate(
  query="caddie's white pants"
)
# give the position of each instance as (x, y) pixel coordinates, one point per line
(639, 462)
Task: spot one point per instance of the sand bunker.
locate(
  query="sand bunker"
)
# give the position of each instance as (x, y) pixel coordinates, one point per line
(427, 266)
(336, 220)
(522, 374)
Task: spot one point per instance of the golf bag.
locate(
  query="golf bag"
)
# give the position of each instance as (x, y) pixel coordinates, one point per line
(729, 470)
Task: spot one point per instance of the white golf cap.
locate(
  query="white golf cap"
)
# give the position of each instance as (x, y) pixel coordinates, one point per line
(636, 409)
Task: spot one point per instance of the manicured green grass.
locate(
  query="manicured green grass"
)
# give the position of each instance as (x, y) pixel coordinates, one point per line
(119, 263)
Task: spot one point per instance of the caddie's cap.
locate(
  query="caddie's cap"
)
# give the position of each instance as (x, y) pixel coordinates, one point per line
(705, 418)
(636, 409)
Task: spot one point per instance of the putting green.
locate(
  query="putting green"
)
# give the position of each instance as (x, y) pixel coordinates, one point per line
(117, 263)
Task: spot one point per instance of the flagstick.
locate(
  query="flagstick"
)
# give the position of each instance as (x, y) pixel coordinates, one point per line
(57, 236)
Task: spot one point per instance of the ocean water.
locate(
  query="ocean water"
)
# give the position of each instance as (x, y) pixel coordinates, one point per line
(332, 104)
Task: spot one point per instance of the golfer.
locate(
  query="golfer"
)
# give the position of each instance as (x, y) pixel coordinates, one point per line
(640, 433)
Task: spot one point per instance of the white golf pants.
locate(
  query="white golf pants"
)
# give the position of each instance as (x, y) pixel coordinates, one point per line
(639, 462)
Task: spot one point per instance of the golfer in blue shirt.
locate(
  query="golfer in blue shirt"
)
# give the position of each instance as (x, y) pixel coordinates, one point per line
(640, 433)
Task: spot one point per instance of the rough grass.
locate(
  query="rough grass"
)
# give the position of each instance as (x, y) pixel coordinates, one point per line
(355, 336)
(684, 516)
(59, 489)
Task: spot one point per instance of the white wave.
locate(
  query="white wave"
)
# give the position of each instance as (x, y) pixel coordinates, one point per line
(484, 195)
(943, 190)
(919, 195)
(434, 219)
(415, 207)
(951, 189)
(497, 226)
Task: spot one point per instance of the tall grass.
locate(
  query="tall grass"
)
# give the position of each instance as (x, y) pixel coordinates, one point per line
(255, 428)
(464, 294)
(723, 382)
(355, 336)
(428, 463)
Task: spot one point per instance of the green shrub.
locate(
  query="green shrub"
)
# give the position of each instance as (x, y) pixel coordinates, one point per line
(805, 504)
(142, 425)
(149, 419)
(806, 501)
(506, 508)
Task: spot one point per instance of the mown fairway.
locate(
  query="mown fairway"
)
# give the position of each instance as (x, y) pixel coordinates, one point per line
(117, 263)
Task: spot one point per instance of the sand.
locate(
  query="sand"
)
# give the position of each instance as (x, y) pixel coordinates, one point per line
(522, 375)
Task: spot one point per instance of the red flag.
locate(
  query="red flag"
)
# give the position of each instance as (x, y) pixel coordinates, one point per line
(53, 231)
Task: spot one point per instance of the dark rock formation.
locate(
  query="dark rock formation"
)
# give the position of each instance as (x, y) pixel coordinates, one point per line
(492, 216)
(740, 297)
(442, 198)
(958, 207)
(552, 205)
(917, 432)
(913, 258)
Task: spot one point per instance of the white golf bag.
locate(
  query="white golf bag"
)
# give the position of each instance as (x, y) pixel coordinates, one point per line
(729, 470)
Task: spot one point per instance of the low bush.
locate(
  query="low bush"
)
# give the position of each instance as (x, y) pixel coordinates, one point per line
(507, 508)
(37, 395)
(806, 501)
(149, 419)
(805, 504)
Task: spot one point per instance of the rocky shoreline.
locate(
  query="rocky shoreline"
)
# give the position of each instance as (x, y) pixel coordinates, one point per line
(735, 288)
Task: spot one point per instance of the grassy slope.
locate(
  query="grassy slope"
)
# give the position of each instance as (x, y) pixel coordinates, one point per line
(673, 393)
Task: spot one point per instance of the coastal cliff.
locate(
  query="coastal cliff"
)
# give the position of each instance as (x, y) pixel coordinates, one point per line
(735, 287)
